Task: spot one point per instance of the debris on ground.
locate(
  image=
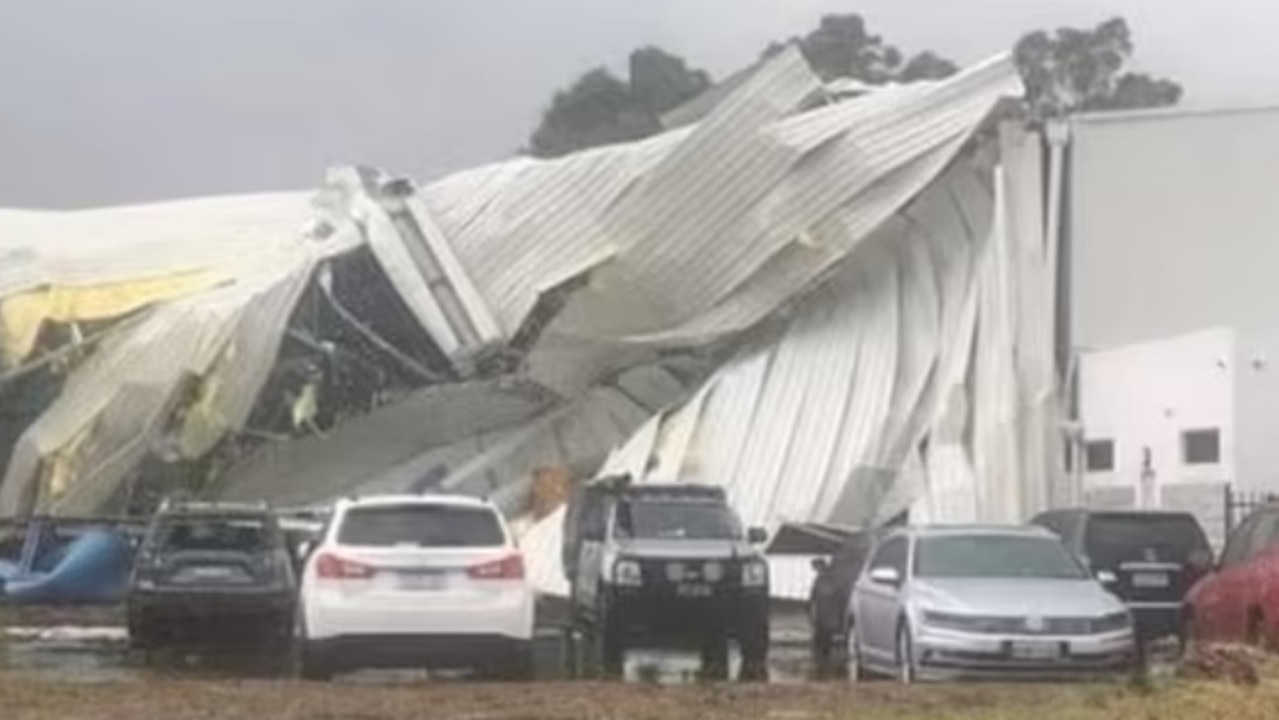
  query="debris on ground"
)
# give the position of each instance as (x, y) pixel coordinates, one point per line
(1238, 664)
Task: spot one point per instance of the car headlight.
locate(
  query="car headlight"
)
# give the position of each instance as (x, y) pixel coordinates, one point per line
(755, 574)
(627, 572)
(713, 572)
(1113, 622)
(970, 623)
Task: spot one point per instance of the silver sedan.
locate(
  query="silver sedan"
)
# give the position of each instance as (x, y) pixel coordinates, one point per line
(942, 602)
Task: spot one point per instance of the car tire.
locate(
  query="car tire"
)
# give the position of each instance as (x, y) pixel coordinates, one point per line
(610, 650)
(311, 661)
(907, 673)
(714, 657)
(755, 642)
(515, 667)
(314, 663)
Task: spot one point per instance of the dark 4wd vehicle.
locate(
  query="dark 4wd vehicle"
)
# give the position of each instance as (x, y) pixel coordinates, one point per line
(666, 566)
(212, 574)
(1150, 560)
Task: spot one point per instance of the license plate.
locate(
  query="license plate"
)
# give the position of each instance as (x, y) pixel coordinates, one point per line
(1035, 651)
(421, 581)
(1150, 580)
(211, 572)
(693, 590)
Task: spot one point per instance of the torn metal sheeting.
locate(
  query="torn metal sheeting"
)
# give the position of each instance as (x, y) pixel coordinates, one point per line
(858, 230)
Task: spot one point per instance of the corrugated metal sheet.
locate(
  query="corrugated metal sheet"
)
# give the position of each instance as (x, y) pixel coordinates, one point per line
(114, 244)
(113, 409)
(703, 231)
(824, 421)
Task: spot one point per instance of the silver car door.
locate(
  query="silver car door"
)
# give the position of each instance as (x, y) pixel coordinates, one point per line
(879, 601)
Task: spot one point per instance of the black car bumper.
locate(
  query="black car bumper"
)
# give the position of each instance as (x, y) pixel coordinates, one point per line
(210, 617)
(660, 616)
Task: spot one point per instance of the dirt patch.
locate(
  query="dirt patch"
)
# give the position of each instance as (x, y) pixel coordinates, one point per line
(1238, 664)
(28, 698)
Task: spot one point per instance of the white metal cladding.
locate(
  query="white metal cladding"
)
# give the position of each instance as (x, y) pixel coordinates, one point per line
(716, 223)
(824, 420)
(105, 245)
(113, 409)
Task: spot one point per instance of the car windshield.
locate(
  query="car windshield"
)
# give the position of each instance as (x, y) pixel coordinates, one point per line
(421, 526)
(995, 556)
(214, 534)
(1115, 538)
(687, 520)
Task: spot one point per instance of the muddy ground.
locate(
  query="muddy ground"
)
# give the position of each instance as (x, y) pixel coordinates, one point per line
(75, 666)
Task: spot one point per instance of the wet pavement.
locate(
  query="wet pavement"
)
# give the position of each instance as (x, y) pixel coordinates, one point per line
(100, 653)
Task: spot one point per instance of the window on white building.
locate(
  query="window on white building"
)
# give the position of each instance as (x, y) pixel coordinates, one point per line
(1099, 455)
(1201, 447)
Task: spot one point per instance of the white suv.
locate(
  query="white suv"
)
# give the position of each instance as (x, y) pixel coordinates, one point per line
(415, 581)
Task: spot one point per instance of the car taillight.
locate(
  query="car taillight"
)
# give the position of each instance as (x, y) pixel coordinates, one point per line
(332, 567)
(510, 567)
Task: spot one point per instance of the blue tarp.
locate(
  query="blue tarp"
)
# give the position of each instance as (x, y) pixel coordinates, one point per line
(90, 568)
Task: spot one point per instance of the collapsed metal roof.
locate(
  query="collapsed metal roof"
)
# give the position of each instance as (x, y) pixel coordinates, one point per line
(562, 275)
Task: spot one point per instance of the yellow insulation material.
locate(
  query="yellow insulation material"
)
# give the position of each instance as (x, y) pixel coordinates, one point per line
(22, 316)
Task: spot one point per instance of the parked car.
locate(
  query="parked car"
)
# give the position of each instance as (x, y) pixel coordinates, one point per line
(828, 600)
(423, 581)
(666, 566)
(1150, 560)
(1002, 601)
(1239, 599)
(212, 574)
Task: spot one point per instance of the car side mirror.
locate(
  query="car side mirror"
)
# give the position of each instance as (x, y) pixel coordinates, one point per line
(757, 536)
(885, 576)
(820, 565)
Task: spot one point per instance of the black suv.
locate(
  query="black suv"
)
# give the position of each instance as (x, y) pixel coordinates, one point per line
(665, 566)
(1150, 560)
(212, 574)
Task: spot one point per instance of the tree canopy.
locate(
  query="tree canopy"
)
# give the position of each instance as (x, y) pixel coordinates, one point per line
(1068, 70)
(1074, 70)
(600, 109)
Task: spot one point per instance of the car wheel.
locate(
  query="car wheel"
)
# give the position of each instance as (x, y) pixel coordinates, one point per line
(518, 666)
(906, 672)
(754, 643)
(609, 648)
(714, 657)
(310, 659)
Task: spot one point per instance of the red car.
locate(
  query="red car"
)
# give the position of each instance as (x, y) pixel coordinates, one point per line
(1239, 601)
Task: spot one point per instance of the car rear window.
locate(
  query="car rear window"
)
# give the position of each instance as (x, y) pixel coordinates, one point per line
(1116, 538)
(421, 526)
(214, 534)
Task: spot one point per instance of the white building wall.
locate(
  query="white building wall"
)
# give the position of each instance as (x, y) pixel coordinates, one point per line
(1145, 396)
(1172, 224)
(1257, 411)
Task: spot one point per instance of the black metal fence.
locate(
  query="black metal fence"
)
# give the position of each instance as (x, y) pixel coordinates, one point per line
(1239, 503)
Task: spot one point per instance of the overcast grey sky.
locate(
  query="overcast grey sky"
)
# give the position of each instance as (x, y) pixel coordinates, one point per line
(106, 101)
